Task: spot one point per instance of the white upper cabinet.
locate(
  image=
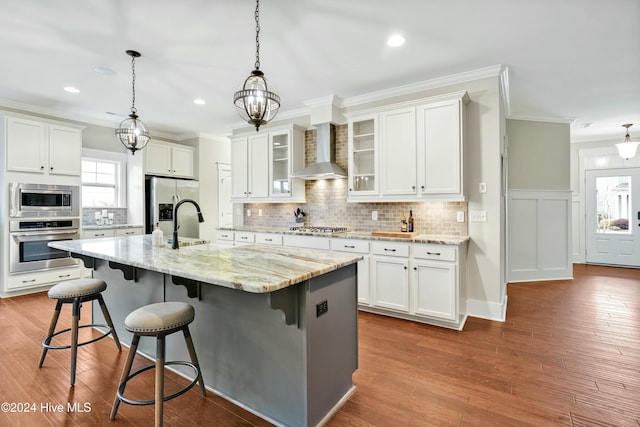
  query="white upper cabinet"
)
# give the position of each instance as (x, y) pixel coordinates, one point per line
(398, 142)
(43, 148)
(421, 146)
(262, 164)
(167, 159)
(363, 156)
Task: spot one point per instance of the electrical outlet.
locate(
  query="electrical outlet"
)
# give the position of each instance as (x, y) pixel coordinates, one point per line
(248, 212)
(478, 216)
(460, 216)
(482, 187)
(374, 215)
(259, 212)
(322, 308)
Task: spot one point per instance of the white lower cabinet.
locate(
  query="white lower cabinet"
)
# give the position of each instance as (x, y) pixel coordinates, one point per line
(134, 231)
(358, 247)
(390, 283)
(243, 238)
(95, 234)
(434, 289)
(19, 282)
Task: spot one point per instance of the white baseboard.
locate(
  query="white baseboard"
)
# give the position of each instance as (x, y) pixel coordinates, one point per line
(487, 310)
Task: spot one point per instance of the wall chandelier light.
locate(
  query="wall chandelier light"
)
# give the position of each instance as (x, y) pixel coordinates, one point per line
(256, 100)
(627, 149)
(132, 133)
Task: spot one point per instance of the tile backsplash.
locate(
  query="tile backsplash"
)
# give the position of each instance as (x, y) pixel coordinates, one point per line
(327, 205)
(89, 218)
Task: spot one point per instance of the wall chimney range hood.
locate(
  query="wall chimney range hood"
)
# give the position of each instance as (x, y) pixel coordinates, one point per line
(325, 166)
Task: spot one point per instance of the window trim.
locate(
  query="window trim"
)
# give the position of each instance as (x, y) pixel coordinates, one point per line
(121, 173)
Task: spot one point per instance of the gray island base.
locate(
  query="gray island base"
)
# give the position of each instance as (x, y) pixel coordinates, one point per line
(275, 328)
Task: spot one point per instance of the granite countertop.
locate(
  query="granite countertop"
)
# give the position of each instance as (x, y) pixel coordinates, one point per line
(363, 235)
(100, 227)
(256, 269)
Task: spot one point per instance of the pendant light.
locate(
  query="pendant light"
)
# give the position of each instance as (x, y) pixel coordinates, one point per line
(256, 100)
(627, 149)
(132, 133)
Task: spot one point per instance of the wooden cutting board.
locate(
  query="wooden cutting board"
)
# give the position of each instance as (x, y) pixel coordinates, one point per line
(399, 234)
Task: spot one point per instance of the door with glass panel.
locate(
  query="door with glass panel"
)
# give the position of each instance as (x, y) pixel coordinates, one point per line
(613, 217)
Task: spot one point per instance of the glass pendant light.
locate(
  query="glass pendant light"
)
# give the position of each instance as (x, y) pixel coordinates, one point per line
(627, 149)
(132, 133)
(256, 100)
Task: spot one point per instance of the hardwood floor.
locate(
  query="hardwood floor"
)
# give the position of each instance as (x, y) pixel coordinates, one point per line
(568, 354)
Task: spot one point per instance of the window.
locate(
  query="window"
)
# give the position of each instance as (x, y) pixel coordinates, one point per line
(100, 179)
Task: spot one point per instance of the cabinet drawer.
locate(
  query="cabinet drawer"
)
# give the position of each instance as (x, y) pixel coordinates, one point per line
(244, 237)
(390, 249)
(268, 239)
(436, 252)
(309, 242)
(349, 245)
(225, 235)
(32, 280)
(128, 231)
(94, 234)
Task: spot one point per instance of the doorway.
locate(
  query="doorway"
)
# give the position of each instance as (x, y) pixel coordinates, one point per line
(612, 223)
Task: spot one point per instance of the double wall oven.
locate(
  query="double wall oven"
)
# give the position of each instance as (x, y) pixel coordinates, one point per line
(40, 214)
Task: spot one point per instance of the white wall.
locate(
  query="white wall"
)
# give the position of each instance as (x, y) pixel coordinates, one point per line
(210, 152)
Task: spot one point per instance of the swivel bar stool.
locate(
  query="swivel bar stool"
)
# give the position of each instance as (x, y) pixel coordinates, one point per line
(158, 320)
(76, 292)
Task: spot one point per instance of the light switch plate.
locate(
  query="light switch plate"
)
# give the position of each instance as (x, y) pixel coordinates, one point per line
(374, 215)
(248, 212)
(483, 187)
(259, 212)
(477, 216)
(460, 216)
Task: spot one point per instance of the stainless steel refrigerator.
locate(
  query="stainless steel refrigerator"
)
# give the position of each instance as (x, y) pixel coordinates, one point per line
(161, 196)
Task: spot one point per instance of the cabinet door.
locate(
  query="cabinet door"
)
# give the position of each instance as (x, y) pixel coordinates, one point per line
(135, 231)
(258, 166)
(440, 147)
(434, 290)
(157, 159)
(390, 279)
(363, 156)
(96, 234)
(26, 145)
(65, 150)
(239, 169)
(279, 156)
(364, 294)
(398, 147)
(182, 161)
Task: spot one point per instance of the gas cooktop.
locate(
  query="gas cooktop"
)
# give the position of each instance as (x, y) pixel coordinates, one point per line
(319, 229)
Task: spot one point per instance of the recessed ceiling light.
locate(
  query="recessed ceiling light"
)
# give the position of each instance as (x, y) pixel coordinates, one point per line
(199, 101)
(71, 89)
(395, 40)
(104, 71)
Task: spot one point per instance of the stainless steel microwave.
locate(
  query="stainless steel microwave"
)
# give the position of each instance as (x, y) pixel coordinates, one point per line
(41, 200)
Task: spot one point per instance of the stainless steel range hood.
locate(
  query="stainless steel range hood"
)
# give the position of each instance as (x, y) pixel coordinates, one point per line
(325, 166)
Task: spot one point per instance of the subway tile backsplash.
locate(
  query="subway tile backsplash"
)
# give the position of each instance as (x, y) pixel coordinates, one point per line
(327, 205)
(89, 218)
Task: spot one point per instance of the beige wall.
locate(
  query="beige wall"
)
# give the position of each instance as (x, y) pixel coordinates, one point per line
(539, 155)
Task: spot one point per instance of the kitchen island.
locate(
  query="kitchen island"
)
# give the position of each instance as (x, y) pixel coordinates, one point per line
(275, 328)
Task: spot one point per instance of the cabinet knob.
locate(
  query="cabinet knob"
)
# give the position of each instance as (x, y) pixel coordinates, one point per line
(415, 268)
(405, 267)
(413, 187)
(422, 187)
(351, 189)
(51, 168)
(41, 167)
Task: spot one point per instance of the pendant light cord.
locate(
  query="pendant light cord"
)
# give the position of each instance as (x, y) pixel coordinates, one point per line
(133, 84)
(257, 65)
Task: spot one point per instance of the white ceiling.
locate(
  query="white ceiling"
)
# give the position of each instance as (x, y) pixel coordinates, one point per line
(567, 59)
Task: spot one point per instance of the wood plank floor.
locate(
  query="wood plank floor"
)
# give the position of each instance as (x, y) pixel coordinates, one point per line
(567, 355)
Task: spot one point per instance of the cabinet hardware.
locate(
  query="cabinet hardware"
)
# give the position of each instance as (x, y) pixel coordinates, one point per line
(224, 235)
(434, 253)
(349, 246)
(102, 234)
(268, 240)
(413, 187)
(351, 189)
(51, 168)
(244, 237)
(63, 275)
(415, 268)
(28, 281)
(405, 267)
(389, 250)
(41, 167)
(422, 187)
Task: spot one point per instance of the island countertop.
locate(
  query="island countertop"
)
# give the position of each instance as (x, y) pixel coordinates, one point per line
(257, 269)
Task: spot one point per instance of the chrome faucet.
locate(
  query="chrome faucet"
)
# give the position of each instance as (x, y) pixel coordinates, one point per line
(174, 244)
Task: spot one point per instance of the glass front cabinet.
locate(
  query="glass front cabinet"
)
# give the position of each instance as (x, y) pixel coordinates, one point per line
(363, 156)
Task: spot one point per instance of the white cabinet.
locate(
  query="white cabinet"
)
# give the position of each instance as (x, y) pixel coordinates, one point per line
(99, 233)
(129, 231)
(363, 156)
(421, 151)
(43, 148)
(269, 239)
(262, 164)
(390, 275)
(244, 238)
(398, 133)
(250, 167)
(440, 129)
(23, 282)
(225, 238)
(167, 159)
(358, 247)
(434, 290)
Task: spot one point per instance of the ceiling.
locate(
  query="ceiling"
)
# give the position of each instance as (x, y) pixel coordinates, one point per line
(575, 61)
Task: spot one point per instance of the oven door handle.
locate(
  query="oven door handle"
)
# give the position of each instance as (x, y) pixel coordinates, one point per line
(48, 235)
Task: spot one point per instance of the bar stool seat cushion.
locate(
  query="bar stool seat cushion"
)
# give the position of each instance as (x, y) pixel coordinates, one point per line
(159, 317)
(77, 288)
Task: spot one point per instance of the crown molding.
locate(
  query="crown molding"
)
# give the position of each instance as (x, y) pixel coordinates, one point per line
(563, 120)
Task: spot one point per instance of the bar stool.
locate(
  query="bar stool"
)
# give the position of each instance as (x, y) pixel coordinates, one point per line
(76, 292)
(158, 320)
